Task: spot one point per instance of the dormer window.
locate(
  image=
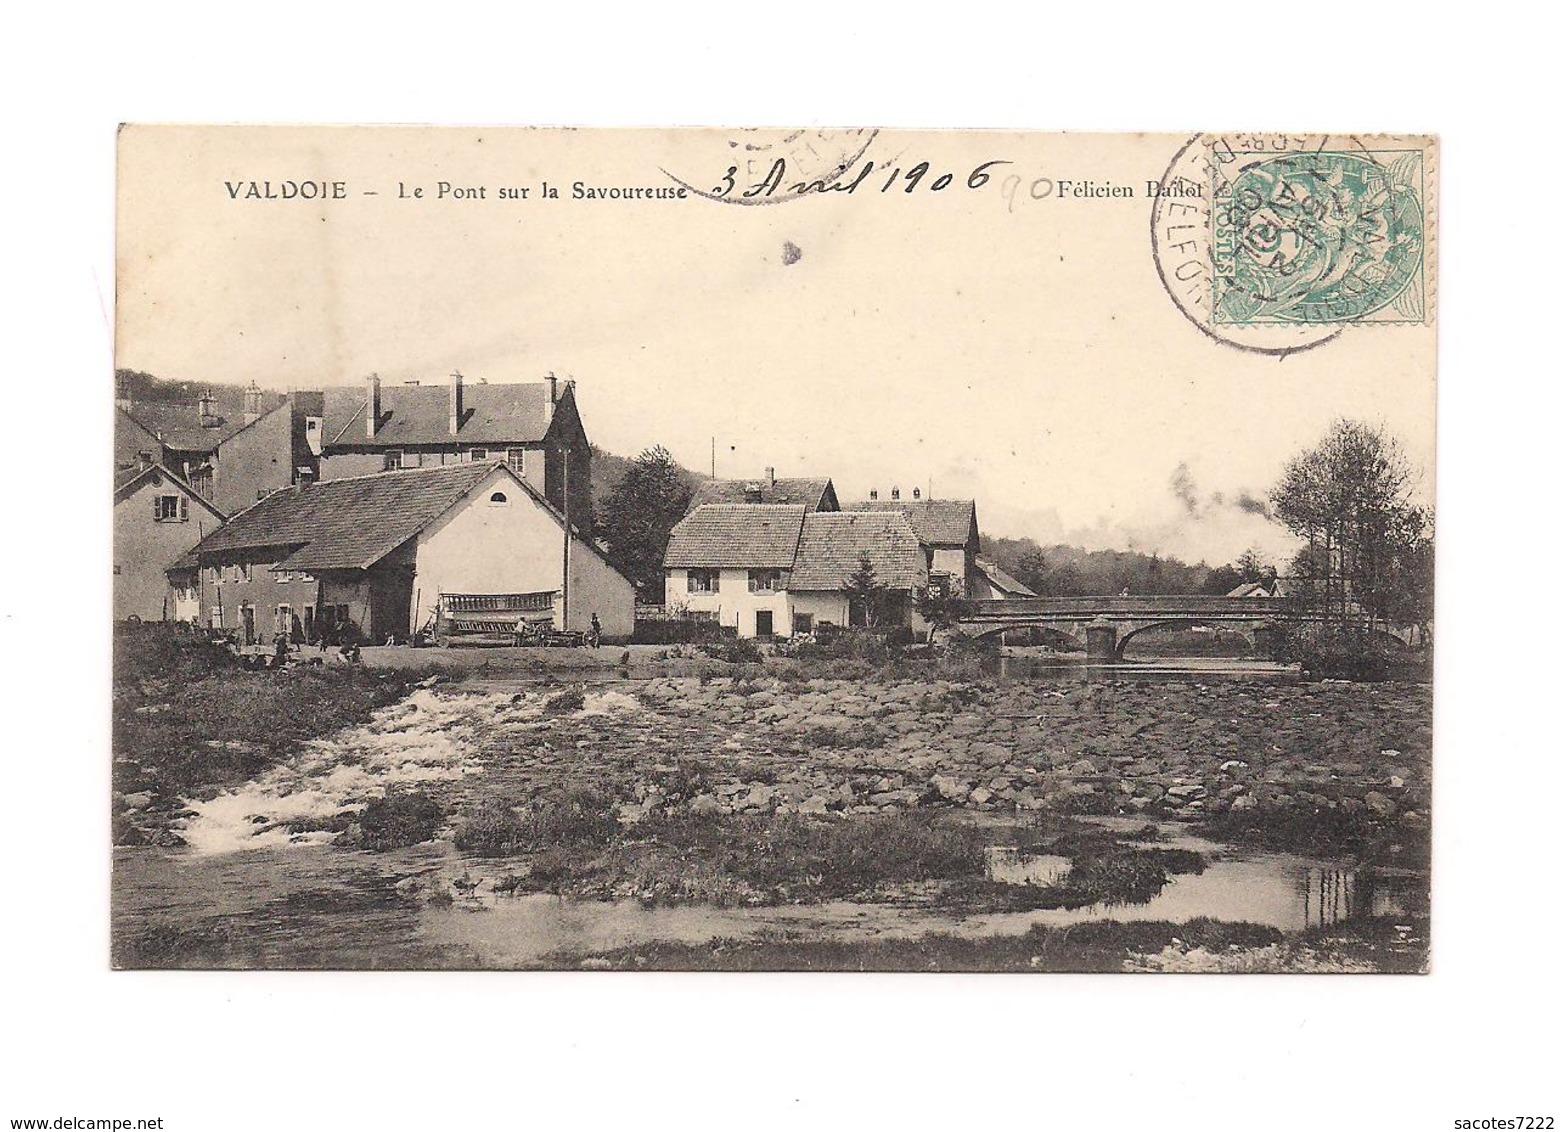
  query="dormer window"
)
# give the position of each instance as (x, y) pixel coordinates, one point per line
(393, 462)
(479, 455)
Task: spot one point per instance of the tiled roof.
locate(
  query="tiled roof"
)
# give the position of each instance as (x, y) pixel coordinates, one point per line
(349, 523)
(939, 522)
(127, 479)
(743, 535)
(808, 491)
(832, 542)
(421, 414)
(1000, 580)
(179, 425)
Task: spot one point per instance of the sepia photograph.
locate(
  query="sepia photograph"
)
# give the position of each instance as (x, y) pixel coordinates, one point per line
(773, 550)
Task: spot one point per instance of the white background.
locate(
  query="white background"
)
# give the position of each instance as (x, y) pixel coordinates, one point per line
(270, 1051)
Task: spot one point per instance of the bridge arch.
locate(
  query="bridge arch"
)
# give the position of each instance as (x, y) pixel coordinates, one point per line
(1071, 637)
(1129, 632)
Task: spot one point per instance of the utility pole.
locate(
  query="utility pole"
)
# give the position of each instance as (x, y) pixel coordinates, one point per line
(714, 457)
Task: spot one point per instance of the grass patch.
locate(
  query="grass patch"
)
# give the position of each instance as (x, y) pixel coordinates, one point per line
(400, 818)
(188, 720)
(575, 818)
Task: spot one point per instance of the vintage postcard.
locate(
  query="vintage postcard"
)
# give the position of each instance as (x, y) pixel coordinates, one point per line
(773, 549)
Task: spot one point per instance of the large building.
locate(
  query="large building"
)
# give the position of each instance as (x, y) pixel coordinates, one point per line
(372, 557)
(776, 570)
(231, 446)
(947, 529)
(158, 516)
(534, 429)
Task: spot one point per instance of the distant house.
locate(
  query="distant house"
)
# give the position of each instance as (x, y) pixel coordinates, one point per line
(775, 570)
(158, 516)
(993, 583)
(533, 429)
(811, 493)
(372, 556)
(232, 446)
(1250, 589)
(948, 531)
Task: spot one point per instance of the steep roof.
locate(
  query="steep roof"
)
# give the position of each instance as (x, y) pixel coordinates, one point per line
(421, 414)
(832, 543)
(1000, 580)
(938, 522)
(738, 536)
(128, 480)
(350, 523)
(815, 494)
(179, 426)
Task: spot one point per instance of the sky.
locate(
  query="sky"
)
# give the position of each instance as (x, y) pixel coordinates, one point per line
(976, 343)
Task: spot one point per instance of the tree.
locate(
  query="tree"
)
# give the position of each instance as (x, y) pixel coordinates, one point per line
(868, 600)
(638, 514)
(1368, 546)
(942, 610)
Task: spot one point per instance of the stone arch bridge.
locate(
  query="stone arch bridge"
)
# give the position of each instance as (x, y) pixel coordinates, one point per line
(1104, 625)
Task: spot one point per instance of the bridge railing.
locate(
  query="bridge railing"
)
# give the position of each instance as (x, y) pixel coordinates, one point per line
(1146, 605)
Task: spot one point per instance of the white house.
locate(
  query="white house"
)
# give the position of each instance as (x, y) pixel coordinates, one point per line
(775, 570)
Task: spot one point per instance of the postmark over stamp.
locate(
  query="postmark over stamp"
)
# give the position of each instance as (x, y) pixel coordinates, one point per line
(1295, 238)
(1321, 237)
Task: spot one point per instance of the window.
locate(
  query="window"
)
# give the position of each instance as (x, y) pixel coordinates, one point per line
(284, 618)
(516, 460)
(307, 579)
(765, 581)
(311, 424)
(704, 581)
(170, 509)
(479, 455)
(116, 570)
(498, 499)
(393, 460)
(242, 572)
(803, 623)
(282, 577)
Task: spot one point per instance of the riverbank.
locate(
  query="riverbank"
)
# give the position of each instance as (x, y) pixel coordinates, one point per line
(727, 805)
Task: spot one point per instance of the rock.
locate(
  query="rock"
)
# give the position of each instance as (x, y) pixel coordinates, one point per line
(137, 800)
(596, 963)
(1234, 764)
(981, 795)
(951, 789)
(814, 804)
(1244, 802)
(1187, 792)
(1397, 782)
(1382, 806)
(706, 804)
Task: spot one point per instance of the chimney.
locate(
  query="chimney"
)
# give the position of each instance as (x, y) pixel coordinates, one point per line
(206, 405)
(372, 411)
(252, 402)
(456, 401)
(306, 476)
(895, 493)
(143, 460)
(873, 495)
(771, 477)
(917, 493)
(553, 387)
(752, 492)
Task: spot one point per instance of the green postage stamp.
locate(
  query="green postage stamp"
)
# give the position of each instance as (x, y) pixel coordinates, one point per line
(1318, 237)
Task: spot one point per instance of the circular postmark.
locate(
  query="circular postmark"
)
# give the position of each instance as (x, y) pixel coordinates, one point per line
(766, 166)
(1274, 244)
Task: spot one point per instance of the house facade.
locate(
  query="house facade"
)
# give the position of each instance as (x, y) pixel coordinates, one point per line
(534, 429)
(947, 529)
(370, 557)
(158, 517)
(779, 570)
(232, 446)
